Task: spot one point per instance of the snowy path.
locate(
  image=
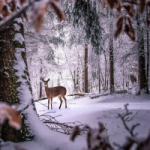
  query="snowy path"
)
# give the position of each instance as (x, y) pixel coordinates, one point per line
(104, 109)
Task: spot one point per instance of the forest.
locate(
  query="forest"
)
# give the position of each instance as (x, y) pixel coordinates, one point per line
(74, 75)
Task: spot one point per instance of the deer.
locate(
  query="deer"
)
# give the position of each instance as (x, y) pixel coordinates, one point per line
(58, 91)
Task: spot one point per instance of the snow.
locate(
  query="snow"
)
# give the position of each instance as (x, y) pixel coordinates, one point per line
(23, 90)
(18, 37)
(17, 27)
(104, 109)
(19, 20)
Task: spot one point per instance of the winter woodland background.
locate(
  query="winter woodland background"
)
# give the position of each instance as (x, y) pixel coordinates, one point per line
(101, 59)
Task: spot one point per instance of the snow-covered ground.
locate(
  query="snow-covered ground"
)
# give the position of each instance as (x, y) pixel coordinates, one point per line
(104, 109)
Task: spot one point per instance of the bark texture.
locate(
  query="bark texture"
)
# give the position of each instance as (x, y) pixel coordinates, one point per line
(9, 83)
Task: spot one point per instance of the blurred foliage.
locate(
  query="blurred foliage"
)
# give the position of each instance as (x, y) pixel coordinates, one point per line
(86, 15)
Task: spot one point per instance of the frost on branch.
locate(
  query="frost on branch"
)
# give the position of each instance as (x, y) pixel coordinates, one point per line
(7, 112)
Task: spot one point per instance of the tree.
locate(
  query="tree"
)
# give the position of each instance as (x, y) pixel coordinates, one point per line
(141, 55)
(14, 78)
(86, 69)
(111, 59)
(148, 61)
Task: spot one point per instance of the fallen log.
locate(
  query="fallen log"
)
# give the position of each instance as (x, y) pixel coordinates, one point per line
(98, 95)
(108, 93)
(77, 94)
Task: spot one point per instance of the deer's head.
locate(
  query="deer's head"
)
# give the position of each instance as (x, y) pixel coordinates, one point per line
(45, 82)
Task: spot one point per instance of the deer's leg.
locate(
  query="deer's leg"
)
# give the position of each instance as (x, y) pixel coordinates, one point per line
(48, 102)
(51, 102)
(60, 102)
(65, 101)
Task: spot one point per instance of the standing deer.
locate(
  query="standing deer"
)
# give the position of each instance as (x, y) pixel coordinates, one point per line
(51, 92)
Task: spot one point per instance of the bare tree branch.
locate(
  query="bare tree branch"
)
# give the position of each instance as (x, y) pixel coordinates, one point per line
(15, 15)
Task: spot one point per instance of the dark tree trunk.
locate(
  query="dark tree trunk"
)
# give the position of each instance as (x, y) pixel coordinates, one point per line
(86, 69)
(77, 80)
(106, 85)
(74, 81)
(99, 76)
(41, 71)
(148, 50)
(123, 77)
(9, 79)
(141, 56)
(142, 68)
(111, 60)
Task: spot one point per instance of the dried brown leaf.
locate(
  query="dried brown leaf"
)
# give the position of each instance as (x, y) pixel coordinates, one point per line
(2, 4)
(75, 133)
(130, 10)
(120, 21)
(119, 7)
(22, 2)
(5, 11)
(117, 4)
(7, 112)
(119, 27)
(110, 3)
(13, 6)
(129, 29)
(57, 10)
(129, 22)
(101, 127)
(142, 5)
(39, 9)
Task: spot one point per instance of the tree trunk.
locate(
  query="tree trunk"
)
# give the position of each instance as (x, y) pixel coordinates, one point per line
(74, 81)
(14, 78)
(86, 69)
(111, 59)
(106, 85)
(141, 56)
(142, 68)
(40, 94)
(123, 76)
(99, 76)
(148, 50)
(77, 80)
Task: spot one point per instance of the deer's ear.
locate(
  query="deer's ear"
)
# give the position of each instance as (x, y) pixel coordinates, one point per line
(48, 80)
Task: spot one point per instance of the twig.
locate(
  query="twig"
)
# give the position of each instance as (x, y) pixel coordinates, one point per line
(124, 120)
(132, 116)
(65, 128)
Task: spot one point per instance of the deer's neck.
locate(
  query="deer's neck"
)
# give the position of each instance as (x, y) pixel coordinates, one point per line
(46, 90)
